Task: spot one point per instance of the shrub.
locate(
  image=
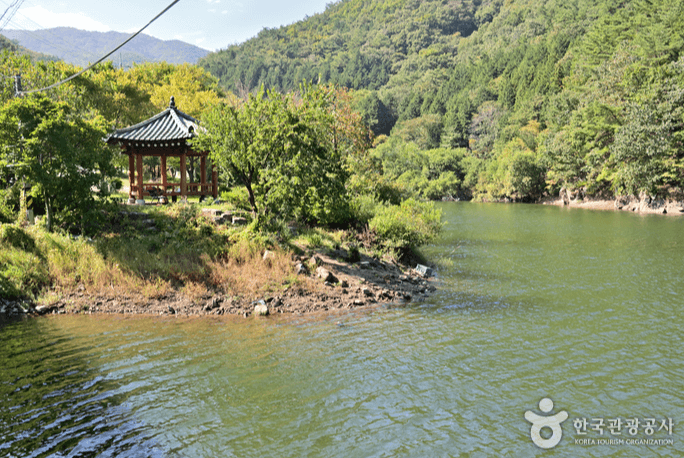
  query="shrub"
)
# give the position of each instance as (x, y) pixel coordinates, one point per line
(408, 225)
(237, 196)
(9, 201)
(22, 270)
(363, 208)
(21, 273)
(17, 237)
(353, 254)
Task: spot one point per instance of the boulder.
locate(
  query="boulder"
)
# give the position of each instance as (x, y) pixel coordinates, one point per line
(239, 221)
(43, 309)
(300, 269)
(326, 275)
(261, 309)
(212, 304)
(211, 212)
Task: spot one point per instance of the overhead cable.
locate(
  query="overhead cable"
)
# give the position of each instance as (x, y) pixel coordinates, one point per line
(16, 5)
(103, 57)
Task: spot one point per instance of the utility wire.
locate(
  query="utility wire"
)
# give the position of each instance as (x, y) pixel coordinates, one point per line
(16, 5)
(103, 57)
(21, 24)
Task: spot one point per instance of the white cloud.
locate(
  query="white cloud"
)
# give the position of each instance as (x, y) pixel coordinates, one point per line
(39, 17)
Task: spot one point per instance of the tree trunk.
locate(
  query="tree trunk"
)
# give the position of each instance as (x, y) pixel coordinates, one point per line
(252, 201)
(48, 212)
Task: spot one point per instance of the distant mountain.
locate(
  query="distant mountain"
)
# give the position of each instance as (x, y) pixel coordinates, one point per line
(81, 47)
(7, 44)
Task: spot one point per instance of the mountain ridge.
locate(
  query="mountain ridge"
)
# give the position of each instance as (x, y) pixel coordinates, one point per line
(81, 47)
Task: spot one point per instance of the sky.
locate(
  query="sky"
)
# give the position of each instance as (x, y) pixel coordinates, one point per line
(209, 24)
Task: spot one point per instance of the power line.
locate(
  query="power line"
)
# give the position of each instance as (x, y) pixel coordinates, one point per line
(16, 5)
(103, 57)
(23, 24)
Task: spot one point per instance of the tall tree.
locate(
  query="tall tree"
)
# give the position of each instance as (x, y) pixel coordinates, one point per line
(61, 155)
(287, 152)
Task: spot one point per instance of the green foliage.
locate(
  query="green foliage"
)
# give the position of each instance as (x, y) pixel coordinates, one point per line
(14, 47)
(289, 156)
(647, 151)
(408, 225)
(544, 94)
(358, 44)
(237, 196)
(22, 268)
(431, 174)
(374, 113)
(363, 208)
(9, 200)
(17, 237)
(63, 156)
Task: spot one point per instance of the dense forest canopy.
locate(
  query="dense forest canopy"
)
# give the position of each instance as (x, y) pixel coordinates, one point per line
(534, 94)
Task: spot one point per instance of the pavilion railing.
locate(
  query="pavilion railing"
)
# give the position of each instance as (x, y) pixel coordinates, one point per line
(174, 189)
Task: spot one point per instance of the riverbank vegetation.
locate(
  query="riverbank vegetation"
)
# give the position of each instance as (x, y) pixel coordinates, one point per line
(288, 159)
(524, 97)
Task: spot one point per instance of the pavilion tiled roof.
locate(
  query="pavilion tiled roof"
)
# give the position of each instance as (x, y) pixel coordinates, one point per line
(168, 126)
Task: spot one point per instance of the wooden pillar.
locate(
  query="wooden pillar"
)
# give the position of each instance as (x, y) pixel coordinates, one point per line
(131, 175)
(184, 190)
(203, 174)
(163, 172)
(139, 160)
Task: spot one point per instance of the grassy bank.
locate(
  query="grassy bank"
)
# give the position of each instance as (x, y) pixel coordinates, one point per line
(152, 253)
(147, 254)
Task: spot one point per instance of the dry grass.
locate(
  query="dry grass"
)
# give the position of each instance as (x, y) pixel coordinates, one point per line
(183, 256)
(245, 272)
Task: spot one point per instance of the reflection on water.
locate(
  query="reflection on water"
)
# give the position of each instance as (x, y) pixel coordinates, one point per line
(583, 307)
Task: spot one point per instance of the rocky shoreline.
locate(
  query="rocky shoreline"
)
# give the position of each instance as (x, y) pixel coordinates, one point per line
(642, 204)
(327, 284)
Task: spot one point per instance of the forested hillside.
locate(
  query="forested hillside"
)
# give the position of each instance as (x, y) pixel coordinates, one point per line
(81, 47)
(8, 45)
(514, 99)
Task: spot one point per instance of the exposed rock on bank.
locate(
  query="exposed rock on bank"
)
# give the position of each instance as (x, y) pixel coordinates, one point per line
(641, 204)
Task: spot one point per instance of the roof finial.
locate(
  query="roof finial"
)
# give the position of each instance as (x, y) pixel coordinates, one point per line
(172, 103)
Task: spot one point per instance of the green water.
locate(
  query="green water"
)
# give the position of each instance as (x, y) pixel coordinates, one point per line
(579, 306)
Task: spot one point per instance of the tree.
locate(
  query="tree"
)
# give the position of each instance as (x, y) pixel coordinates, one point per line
(61, 155)
(288, 153)
(193, 88)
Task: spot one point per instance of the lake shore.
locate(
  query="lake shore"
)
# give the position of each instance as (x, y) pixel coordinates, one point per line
(642, 205)
(328, 284)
